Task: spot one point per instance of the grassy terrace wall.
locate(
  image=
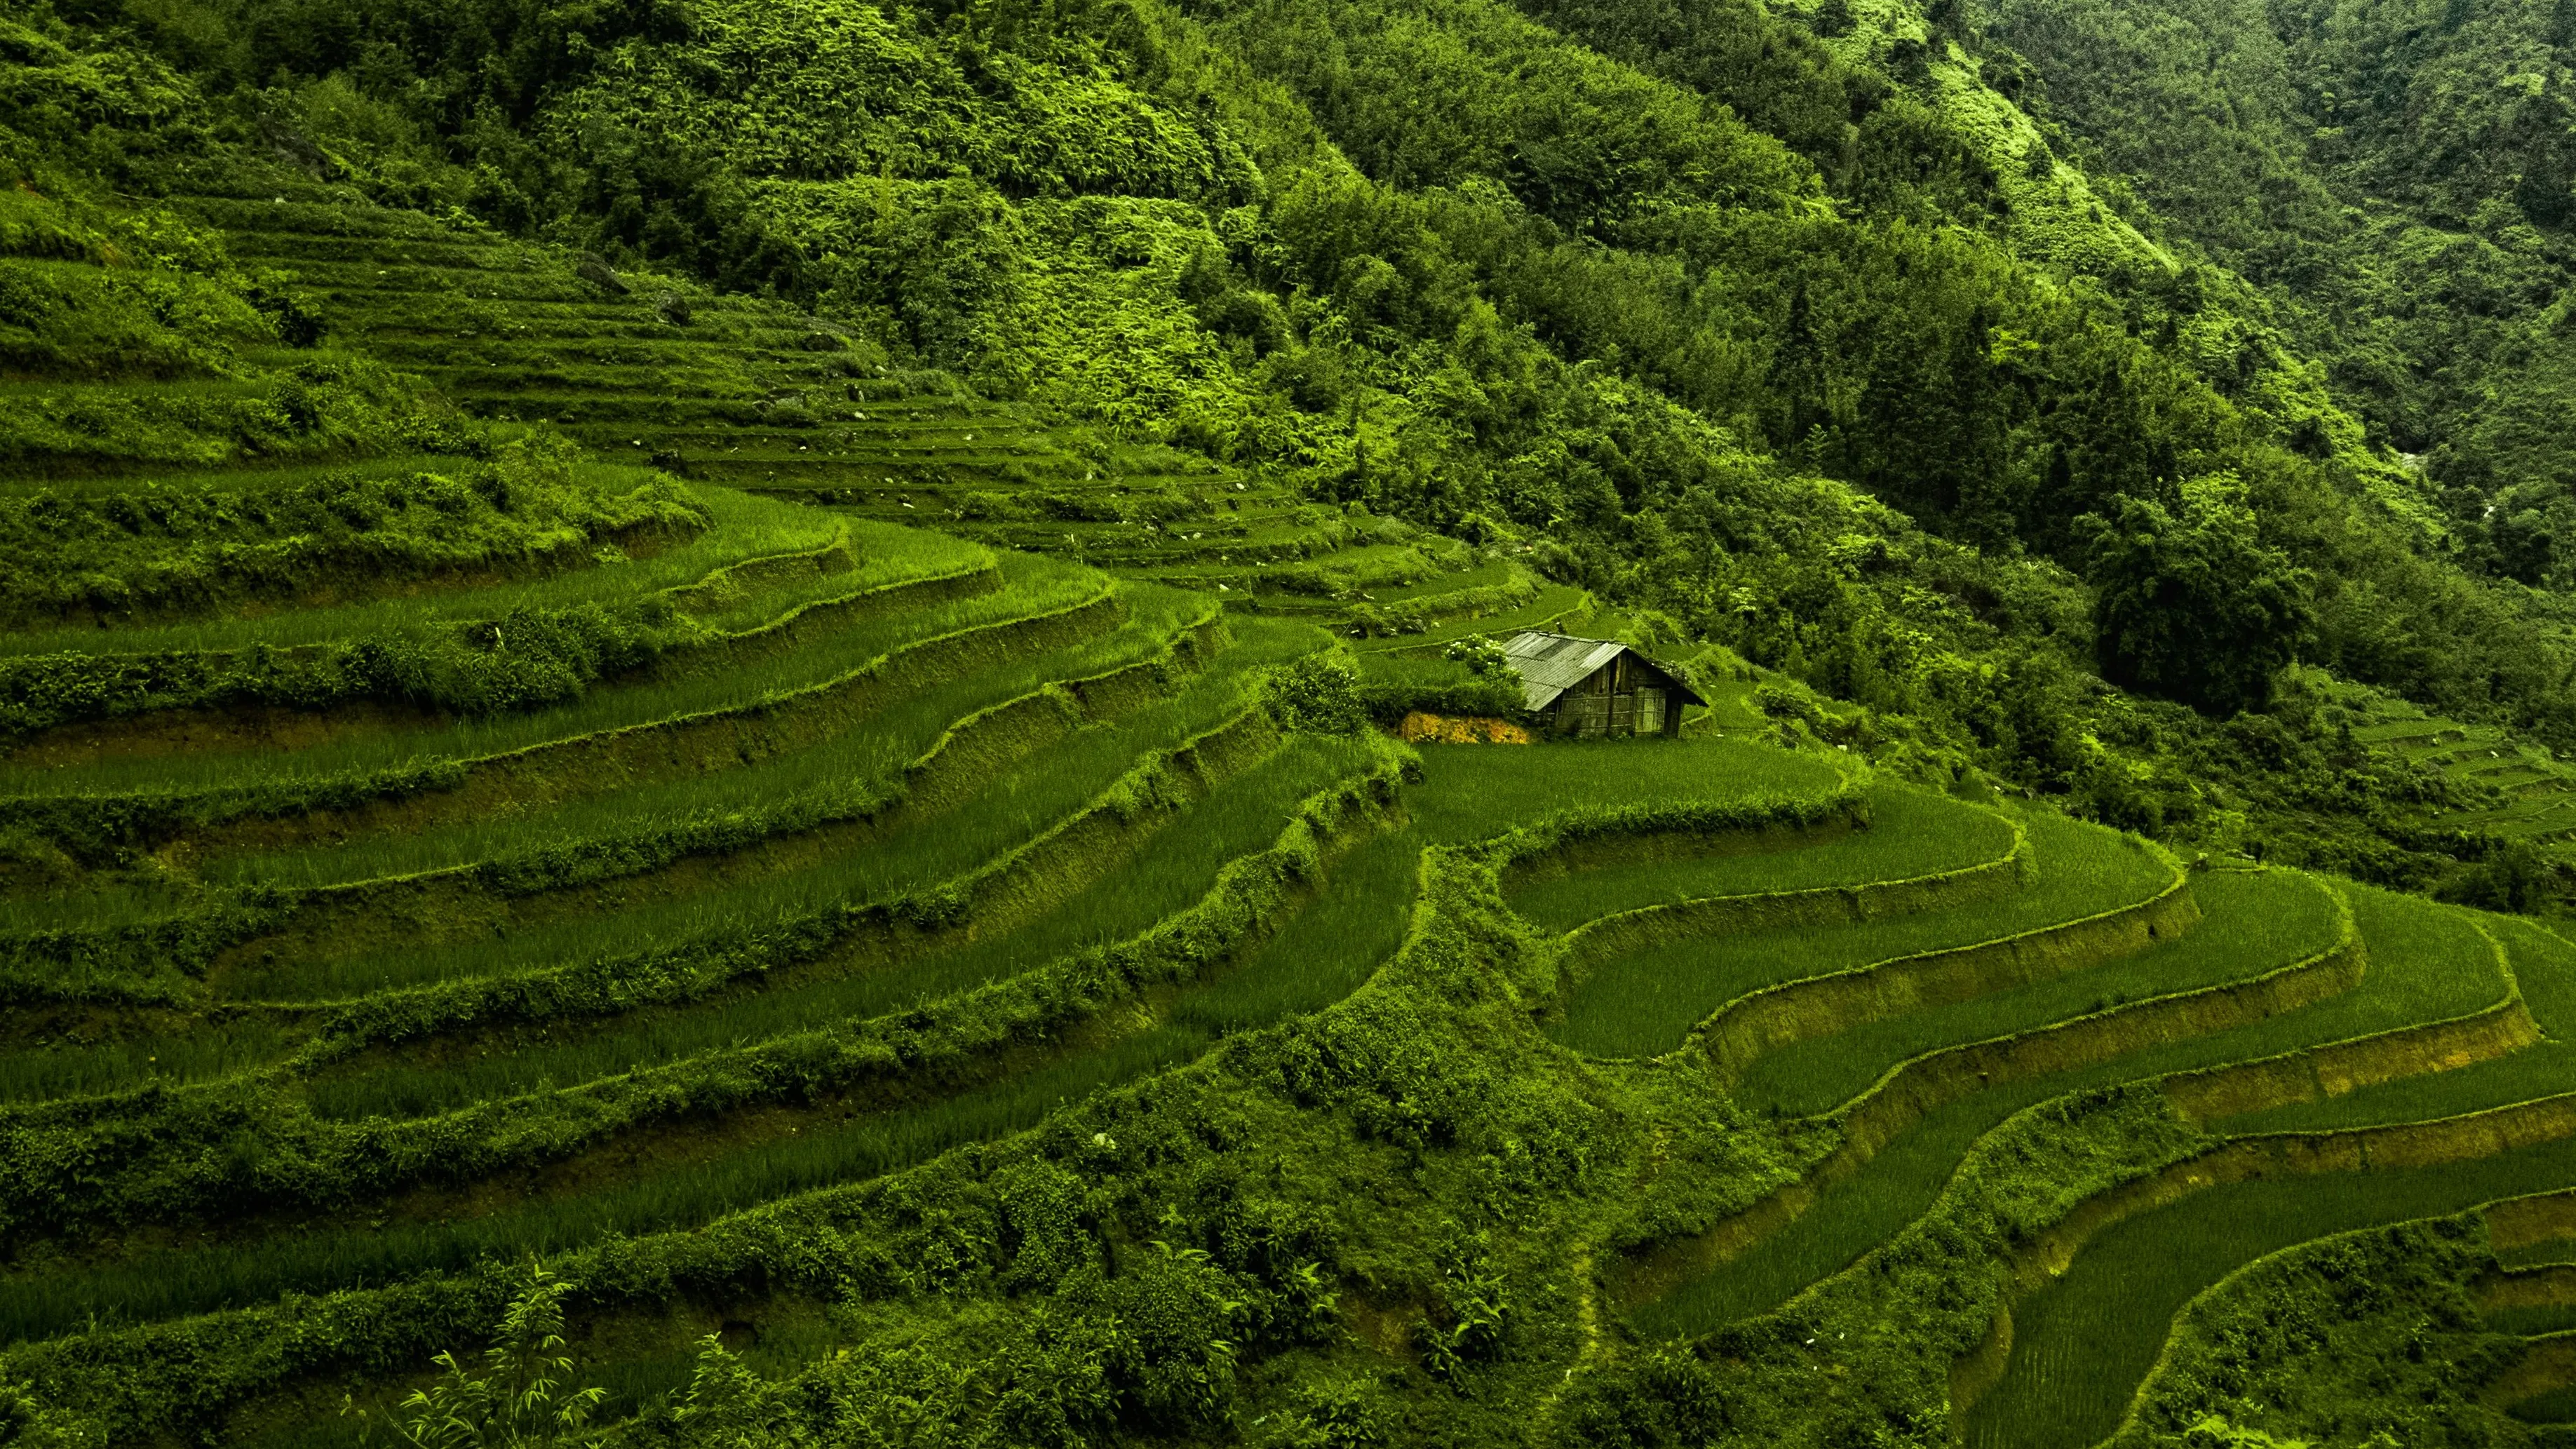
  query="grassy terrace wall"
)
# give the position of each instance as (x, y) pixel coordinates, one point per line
(2122, 1130)
(292, 809)
(874, 1030)
(827, 860)
(2389, 1161)
(1032, 1007)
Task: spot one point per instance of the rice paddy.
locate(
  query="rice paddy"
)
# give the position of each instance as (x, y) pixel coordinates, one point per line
(1910, 835)
(1646, 1004)
(2084, 1343)
(962, 803)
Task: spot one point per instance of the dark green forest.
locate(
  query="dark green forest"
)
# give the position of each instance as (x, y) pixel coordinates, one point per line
(653, 654)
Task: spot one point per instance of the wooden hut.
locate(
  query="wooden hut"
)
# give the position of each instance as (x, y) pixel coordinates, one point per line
(1596, 686)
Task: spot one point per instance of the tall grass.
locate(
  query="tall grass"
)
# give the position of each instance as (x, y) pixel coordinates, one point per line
(846, 774)
(2427, 963)
(826, 1152)
(247, 476)
(1470, 792)
(1032, 585)
(1014, 806)
(744, 527)
(1326, 951)
(1484, 576)
(1848, 1219)
(200, 1054)
(2546, 969)
(2424, 964)
(2084, 1343)
(1911, 833)
(1173, 870)
(859, 763)
(1647, 1003)
(2252, 923)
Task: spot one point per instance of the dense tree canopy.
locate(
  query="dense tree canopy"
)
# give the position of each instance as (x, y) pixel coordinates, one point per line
(2189, 603)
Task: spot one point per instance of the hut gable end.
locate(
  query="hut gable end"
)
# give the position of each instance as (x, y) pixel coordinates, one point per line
(1596, 686)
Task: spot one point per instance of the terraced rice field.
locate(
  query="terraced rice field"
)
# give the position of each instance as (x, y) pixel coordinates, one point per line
(849, 777)
(2516, 790)
(2275, 1010)
(762, 399)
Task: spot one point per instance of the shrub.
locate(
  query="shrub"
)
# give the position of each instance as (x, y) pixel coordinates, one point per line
(1319, 693)
(520, 1398)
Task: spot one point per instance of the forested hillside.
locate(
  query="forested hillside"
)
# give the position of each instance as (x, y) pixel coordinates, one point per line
(704, 688)
(2398, 178)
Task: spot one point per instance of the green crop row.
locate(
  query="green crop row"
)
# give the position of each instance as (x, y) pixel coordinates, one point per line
(246, 1144)
(740, 528)
(1772, 1018)
(2139, 1253)
(2408, 996)
(1900, 833)
(1643, 930)
(1550, 605)
(2254, 1334)
(1161, 874)
(1353, 798)
(1647, 1003)
(527, 658)
(952, 771)
(1907, 1090)
(1033, 770)
(718, 724)
(145, 1138)
(2330, 1072)
(997, 890)
(1934, 1071)
(862, 1238)
(2455, 1140)
(176, 549)
(1419, 615)
(1162, 638)
(159, 958)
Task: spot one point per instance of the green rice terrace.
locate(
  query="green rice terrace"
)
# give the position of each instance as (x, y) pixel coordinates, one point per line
(602, 850)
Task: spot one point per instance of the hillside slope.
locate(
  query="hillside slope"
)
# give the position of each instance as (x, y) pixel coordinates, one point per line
(702, 692)
(2398, 178)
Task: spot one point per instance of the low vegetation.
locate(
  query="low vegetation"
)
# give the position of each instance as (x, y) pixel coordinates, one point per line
(704, 727)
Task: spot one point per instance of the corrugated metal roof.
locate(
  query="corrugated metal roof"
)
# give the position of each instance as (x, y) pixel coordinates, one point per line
(1550, 664)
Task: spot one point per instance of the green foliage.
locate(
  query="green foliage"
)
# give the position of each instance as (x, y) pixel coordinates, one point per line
(521, 1399)
(1478, 1308)
(2191, 604)
(1047, 1013)
(2400, 203)
(1334, 1415)
(1866, 1353)
(80, 554)
(1483, 657)
(2216, 1433)
(2367, 1333)
(1392, 686)
(26, 1420)
(1318, 693)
